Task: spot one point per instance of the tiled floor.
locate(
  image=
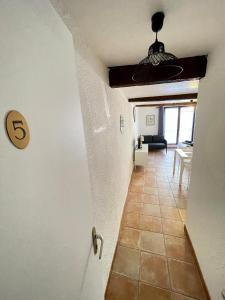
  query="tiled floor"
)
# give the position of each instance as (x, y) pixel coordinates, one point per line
(154, 259)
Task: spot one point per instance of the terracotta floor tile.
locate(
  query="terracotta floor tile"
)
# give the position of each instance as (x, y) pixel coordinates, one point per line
(150, 190)
(149, 174)
(173, 179)
(151, 163)
(180, 297)
(139, 170)
(134, 197)
(152, 242)
(178, 248)
(136, 188)
(151, 199)
(150, 223)
(148, 292)
(161, 173)
(150, 169)
(170, 213)
(150, 185)
(169, 195)
(133, 207)
(181, 203)
(151, 210)
(185, 279)
(162, 179)
(137, 175)
(154, 270)
(137, 184)
(150, 179)
(132, 220)
(165, 192)
(178, 188)
(138, 181)
(121, 288)
(172, 227)
(127, 262)
(167, 201)
(129, 237)
(180, 193)
(183, 214)
(163, 185)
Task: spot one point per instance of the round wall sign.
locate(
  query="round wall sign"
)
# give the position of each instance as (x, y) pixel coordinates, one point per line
(17, 129)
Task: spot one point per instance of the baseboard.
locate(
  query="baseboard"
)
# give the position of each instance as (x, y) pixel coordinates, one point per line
(197, 264)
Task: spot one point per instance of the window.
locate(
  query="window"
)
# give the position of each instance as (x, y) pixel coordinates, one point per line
(178, 125)
(171, 123)
(186, 124)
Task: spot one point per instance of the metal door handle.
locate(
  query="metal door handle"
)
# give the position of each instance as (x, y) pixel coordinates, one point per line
(95, 238)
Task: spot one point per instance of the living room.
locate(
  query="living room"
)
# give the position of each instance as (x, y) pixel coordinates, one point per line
(165, 121)
(167, 125)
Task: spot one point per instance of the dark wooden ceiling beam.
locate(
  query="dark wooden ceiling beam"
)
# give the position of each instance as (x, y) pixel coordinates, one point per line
(193, 68)
(167, 104)
(192, 96)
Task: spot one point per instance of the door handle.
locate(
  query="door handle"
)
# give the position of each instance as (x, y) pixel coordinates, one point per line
(95, 238)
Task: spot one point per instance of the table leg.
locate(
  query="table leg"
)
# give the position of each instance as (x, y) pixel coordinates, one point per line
(174, 162)
(181, 171)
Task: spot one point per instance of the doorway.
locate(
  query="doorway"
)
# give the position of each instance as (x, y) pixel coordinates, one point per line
(179, 124)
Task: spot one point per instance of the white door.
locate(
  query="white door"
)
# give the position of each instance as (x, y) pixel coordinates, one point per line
(45, 203)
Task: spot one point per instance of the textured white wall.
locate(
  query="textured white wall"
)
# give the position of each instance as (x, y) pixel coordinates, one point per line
(110, 154)
(141, 120)
(206, 208)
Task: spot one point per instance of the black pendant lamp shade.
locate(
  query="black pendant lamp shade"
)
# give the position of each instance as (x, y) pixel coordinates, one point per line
(156, 52)
(157, 55)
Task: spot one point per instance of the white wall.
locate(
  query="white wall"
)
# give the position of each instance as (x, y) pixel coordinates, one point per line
(110, 155)
(142, 129)
(206, 208)
(42, 252)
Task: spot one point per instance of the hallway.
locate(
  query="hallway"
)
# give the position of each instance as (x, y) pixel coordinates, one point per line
(154, 259)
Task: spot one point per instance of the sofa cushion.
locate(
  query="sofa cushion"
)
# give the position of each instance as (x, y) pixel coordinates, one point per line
(147, 139)
(157, 139)
(156, 146)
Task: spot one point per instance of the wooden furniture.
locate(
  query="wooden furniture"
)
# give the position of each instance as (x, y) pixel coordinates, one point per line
(185, 157)
(141, 156)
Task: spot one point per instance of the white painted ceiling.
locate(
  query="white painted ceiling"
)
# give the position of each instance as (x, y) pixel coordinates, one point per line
(119, 31)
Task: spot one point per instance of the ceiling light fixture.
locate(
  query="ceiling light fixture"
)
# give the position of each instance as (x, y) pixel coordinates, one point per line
(157, 63)
(156, 52)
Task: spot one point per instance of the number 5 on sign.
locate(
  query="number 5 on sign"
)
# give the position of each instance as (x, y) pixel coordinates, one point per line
(17, 129)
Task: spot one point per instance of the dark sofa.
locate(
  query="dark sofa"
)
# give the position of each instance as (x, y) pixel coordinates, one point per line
(155, 142)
